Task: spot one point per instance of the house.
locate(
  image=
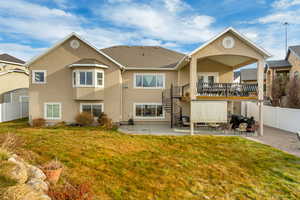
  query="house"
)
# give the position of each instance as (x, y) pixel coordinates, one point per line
(286, 68)
(14, 78)
(147, 84)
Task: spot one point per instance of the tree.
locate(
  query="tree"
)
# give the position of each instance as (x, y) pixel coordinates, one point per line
(278, 90)
(293, 93)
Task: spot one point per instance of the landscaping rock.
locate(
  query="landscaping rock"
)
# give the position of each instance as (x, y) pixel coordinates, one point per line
(38, 185)
(18, 172)
(21, 192)
(35, 172)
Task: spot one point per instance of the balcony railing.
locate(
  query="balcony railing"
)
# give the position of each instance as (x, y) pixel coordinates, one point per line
(227, 89)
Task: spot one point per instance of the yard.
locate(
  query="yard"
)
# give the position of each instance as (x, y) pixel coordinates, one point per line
(123, 166)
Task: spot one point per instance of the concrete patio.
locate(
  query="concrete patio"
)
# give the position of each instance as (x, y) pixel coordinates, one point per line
(283, 140)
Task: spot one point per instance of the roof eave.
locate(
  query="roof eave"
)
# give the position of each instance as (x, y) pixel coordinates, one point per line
(65, 39)
(238, 34)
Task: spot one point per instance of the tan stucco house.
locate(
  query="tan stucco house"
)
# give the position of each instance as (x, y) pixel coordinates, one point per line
(148, 84)
(14, 79)
(286, 68)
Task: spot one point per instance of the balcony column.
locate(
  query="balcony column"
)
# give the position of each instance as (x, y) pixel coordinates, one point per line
(193, 88)
(260, 80)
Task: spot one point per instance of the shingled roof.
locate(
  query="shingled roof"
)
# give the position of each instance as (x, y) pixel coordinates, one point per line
(144, 56)
(278, 63)
(8, 58)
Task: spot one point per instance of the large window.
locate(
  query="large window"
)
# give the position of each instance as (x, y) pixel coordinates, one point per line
(88, 78)
(52, 111)
(148, 110)
(94, 108)
(39, 76)
(151, 81)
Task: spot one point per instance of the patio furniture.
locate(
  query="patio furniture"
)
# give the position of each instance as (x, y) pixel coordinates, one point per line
(214, 126)
(185, 120)
(242, 128)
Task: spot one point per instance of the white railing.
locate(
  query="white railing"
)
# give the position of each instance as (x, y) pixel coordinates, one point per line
(281, 118)
(12, 111)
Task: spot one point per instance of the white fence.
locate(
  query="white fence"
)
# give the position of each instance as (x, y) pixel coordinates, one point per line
(12, 111)
(283, 118)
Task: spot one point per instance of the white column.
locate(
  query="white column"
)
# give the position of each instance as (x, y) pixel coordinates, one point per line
(193, 88)
(260, 80)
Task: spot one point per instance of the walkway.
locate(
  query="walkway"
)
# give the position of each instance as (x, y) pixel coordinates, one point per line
(280, 139)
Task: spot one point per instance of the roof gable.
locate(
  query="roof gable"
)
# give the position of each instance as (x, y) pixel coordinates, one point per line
(63, 41)
(238, 35)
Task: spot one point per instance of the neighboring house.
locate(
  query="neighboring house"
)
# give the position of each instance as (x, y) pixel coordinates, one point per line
(250, 76)
(148, 84)
(286, 68)
(13, 75)
(237, 76)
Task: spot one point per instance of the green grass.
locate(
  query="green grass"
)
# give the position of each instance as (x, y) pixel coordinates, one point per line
(124, 166)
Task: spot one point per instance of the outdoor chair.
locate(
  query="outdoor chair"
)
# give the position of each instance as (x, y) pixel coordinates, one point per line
(242, 128)
(185, 121)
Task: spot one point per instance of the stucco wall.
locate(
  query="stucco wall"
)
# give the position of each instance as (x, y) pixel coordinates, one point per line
(59, 83)
(133, 95)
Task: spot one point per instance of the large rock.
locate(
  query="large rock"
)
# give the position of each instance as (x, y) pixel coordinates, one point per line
(22, 192)
(38, 185)
(36, 173)
(17, 171)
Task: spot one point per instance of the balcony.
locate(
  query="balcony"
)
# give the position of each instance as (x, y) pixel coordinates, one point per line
(226, 91)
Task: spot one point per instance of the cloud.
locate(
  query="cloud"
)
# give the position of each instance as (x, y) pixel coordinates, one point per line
(283, 4)
(151, 20)
(281, 17)
(176, 5)
(24, 52)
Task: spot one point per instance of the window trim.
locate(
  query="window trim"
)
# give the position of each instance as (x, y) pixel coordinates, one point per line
(143, 118)
(151, 88)
(94, 76)
(102, 106)
(33, 76)
(60, 110)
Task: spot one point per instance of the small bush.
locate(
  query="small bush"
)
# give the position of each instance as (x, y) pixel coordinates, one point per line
(84, 119)
(105, 122)
(4, 154)
(60, 124)
(39, 122)
(71, 192)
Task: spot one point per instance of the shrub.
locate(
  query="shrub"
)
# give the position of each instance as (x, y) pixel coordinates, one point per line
(84, 119)
(293, 93)
(60, 124)
(39, 122)
(71, 192)
(105, 122)
(4, 154)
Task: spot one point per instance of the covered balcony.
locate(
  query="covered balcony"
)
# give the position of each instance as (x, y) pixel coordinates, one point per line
(226, 91)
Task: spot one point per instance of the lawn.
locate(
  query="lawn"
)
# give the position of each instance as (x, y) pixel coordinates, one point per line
(121, 166)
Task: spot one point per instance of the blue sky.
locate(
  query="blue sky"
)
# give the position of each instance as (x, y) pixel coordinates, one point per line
(28, 27)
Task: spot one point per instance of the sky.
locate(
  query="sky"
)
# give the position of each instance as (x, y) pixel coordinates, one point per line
(29, 27)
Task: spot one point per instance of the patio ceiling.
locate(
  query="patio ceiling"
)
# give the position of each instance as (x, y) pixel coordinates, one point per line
(233, 60)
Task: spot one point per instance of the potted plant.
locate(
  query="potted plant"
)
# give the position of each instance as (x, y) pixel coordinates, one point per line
(52, 171)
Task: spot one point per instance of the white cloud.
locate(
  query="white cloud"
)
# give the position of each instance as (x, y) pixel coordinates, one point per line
(283, 4)
(152, 21)
(24, 52)
(176, 5)
(281, 17)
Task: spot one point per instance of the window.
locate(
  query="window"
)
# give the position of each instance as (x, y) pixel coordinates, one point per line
(7, 98)
(296, 74)
(208, 77)
(39, 76)
(151, 81)
(88, 78)
(94, 108)
(52, 111)
(23, 99)
(99, 78)
(148, 110)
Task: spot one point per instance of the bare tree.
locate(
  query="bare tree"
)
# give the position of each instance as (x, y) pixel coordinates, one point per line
(278, 90)
(293, 93)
